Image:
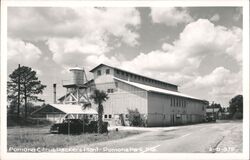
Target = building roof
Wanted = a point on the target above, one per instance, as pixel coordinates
(130, 72)
(76, 68)
(99, 66)
(210, 110)
(71, 109)
(158, 90)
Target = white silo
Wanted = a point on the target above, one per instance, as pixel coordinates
(77, 76)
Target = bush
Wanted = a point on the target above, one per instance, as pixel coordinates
(135, 118)
(237, 115)
(12, 120)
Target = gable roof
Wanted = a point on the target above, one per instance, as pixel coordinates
(99, 66)
(70, 109)
(157, 90)
(130, 73)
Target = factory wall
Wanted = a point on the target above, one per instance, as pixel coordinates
(126, 97)
(164, 111)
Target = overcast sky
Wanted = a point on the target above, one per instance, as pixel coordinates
(197, 48)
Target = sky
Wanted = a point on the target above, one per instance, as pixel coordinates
(197, 48)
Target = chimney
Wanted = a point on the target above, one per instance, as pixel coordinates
(54, 90)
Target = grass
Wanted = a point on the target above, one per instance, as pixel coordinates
(34, 137)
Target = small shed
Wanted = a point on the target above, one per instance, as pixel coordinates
(215, 112)
(58, 112)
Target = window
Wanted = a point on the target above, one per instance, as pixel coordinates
(171, 103)
(105, 116)
(110, 90)
(90, 116)
(126, 74)
(122, 73)
(117, 71)
(126, 115)
(110, 116)
(107, 71)
(99, 72)
(177, 103)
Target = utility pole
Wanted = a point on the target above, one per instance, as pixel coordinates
(54, 90)
(25, 100)
(213, 110)
(18, 98)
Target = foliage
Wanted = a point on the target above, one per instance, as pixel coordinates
(12, 107)
(99, 97)
(215, 105)
(236, 106)
(134, 118)
(12, 120)
(30, 86)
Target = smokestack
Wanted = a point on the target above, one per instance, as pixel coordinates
(54, 90)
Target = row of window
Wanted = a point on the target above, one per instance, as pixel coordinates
(108, 116)
(178, 102)
(144, 79)
(99, 72)
(107, 71)
(110, 90)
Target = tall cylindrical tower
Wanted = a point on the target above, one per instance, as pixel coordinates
(77, 76)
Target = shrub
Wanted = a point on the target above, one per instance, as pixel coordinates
(12, 120)
(135, 118)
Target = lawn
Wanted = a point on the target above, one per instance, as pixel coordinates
(34, 137)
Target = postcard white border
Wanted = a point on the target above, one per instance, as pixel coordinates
(170, 3)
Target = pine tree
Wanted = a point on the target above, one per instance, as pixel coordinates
(24, 84)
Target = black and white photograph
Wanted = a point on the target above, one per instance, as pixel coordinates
(145, 79)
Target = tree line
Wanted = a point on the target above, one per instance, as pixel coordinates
(235, 108)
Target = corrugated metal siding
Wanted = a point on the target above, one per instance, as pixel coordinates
(106, 86)
(119, 103)
(126, 97)
(158, 109)
(161, 113)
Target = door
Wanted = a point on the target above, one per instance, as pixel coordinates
(172, 119)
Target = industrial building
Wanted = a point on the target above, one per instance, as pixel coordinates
(159, 103)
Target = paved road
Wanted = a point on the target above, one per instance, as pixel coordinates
(183, 139)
